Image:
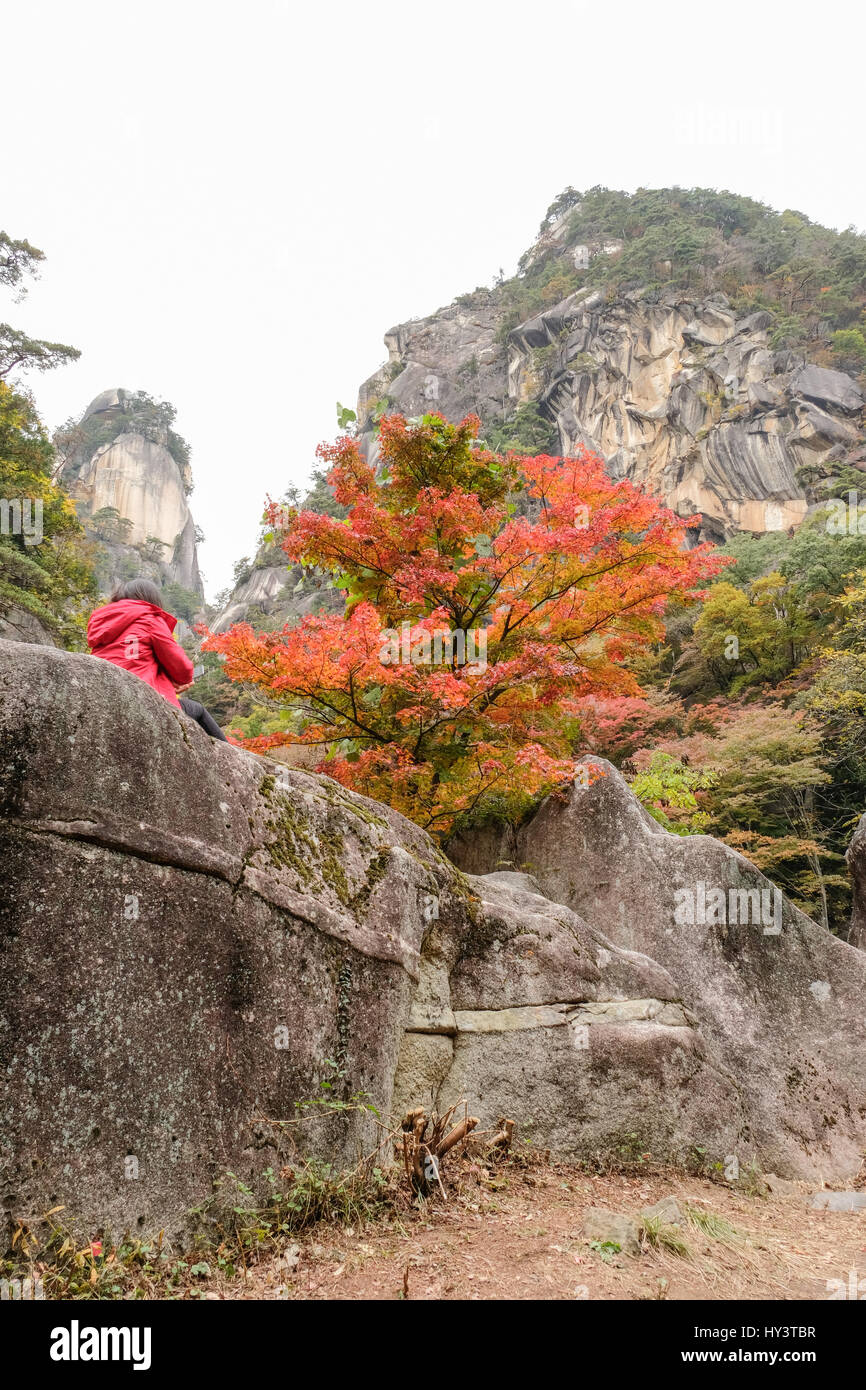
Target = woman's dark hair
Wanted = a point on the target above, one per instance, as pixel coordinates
(143, 589)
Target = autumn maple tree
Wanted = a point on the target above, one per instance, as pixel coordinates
(547, 575)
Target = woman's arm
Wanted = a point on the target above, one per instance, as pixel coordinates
(172, 658)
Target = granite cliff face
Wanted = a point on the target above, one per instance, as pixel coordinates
(674, 391)
(131, 494)
(274, 593)
(690, 337)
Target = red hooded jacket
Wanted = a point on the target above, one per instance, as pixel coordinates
(138, 636)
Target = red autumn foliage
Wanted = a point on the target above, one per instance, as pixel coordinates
(556, 571)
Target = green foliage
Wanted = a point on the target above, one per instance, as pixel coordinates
(153, 549)
(755, 636)
(18, 260)
(583, 362)
(345, 416)
(265, 719)
(545, 282)
(766, 764)
(837, 701)
(109, 525)
(527, 431)
(560, 205)
(849, 346)
(764, 798)
(327, 1099)
(183, 603)
(224, 700)
(785, 741)
(811, 278)
(136, 413)
(239, 1225)
(234, 1229)
(45, 565)
(776, 599)
(242, 570)
(19, 350)
(320, 497)
(605, 1248)
(667, 789)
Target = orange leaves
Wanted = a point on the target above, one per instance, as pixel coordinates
(329, 652)
(353, 477)
(486, 598)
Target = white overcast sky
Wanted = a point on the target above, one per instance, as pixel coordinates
(237, 200)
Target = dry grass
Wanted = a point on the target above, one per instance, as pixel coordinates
(514, 1232)
(510, 1228)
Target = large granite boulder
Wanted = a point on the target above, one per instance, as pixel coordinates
(780, 1001)
(833, 390)
(187, 934)
(855, 856)
(531, 1013)
(193, 938)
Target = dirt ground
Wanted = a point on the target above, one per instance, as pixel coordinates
(517, 1234)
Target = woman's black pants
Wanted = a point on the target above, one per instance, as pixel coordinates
(197, 711)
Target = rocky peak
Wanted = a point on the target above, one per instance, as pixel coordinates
(637, 327)
(710, 407)
(129, 475)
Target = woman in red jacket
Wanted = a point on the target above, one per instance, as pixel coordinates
(135, 632)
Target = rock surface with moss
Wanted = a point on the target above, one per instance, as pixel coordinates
(195, 939)
(780, 999)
